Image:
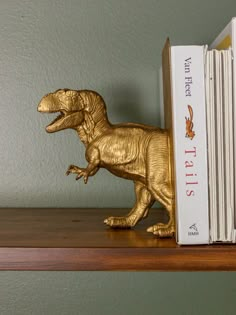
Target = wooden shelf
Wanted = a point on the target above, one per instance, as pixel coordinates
(77, 239)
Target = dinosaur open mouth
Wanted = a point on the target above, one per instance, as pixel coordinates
(62, 115)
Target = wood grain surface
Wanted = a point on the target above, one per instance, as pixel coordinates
(77, 239)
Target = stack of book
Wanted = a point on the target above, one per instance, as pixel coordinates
(200, 111)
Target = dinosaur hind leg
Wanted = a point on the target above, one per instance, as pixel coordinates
(144, 202)
(162, 195)
(159, 185)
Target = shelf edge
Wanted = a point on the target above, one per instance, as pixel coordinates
(115, 259)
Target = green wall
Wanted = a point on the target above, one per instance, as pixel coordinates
(113, 47)
(105, 293)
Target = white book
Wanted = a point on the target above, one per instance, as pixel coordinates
(226, 39)
(211, 143)
(190, 147)
(227, 103)
(219, 114)
(220, 144)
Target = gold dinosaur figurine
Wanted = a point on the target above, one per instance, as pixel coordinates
(132, 151)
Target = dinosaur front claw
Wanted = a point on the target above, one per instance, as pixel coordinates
(72, 169)
(82, 172)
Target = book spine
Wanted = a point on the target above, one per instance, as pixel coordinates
(190, 147)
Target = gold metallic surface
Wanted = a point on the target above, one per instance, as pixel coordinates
(132, 151)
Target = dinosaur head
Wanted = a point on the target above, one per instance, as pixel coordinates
(69, 106)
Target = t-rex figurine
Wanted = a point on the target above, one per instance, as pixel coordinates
(132, 151)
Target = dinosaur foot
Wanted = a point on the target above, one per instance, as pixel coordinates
(162, 230)
(120, 222)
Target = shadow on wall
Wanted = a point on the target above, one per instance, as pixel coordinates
(127, 104)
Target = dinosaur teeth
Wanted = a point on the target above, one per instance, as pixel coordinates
(57, 118)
